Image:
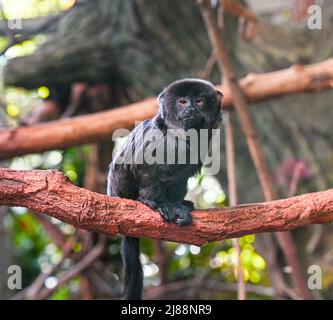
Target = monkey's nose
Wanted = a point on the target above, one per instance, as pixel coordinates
(189, 110)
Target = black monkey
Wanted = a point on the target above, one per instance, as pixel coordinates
(184, 104)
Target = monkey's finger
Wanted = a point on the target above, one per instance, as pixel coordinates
(166, 213)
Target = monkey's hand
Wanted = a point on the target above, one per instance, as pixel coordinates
(179, 212)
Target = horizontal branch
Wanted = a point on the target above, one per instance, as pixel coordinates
(99, 126)
(51, 193)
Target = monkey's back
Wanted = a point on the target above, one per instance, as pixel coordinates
(130, 171)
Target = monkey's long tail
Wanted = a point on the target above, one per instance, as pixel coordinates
(133, 281)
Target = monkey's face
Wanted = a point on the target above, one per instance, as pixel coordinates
(191, 103)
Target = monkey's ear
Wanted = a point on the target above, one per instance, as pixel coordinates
(220, 98)
(160, 117)
(160, 100)
(217, 115)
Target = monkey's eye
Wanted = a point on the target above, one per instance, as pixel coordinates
(200, 102)
(183, 102)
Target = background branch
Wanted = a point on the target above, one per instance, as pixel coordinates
(99, 126)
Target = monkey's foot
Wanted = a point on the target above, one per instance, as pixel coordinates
(180, 214)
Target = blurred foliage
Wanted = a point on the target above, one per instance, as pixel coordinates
(63, 293)
(34, 250)
(32, 8)
(30, 240)
(17, 102)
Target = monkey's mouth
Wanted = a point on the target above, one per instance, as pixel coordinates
(192, 121)
(188, 118)
(192, 118)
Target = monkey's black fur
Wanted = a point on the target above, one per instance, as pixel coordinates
(184, 104)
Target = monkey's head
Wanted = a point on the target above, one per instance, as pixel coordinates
(190, 103)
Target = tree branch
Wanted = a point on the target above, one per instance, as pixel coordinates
(51, 193)
(99, 126)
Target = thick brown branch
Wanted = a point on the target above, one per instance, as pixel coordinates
(51, 193)
(99, 126)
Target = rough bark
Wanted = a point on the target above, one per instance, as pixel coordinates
(51, 193)
(99, 126)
